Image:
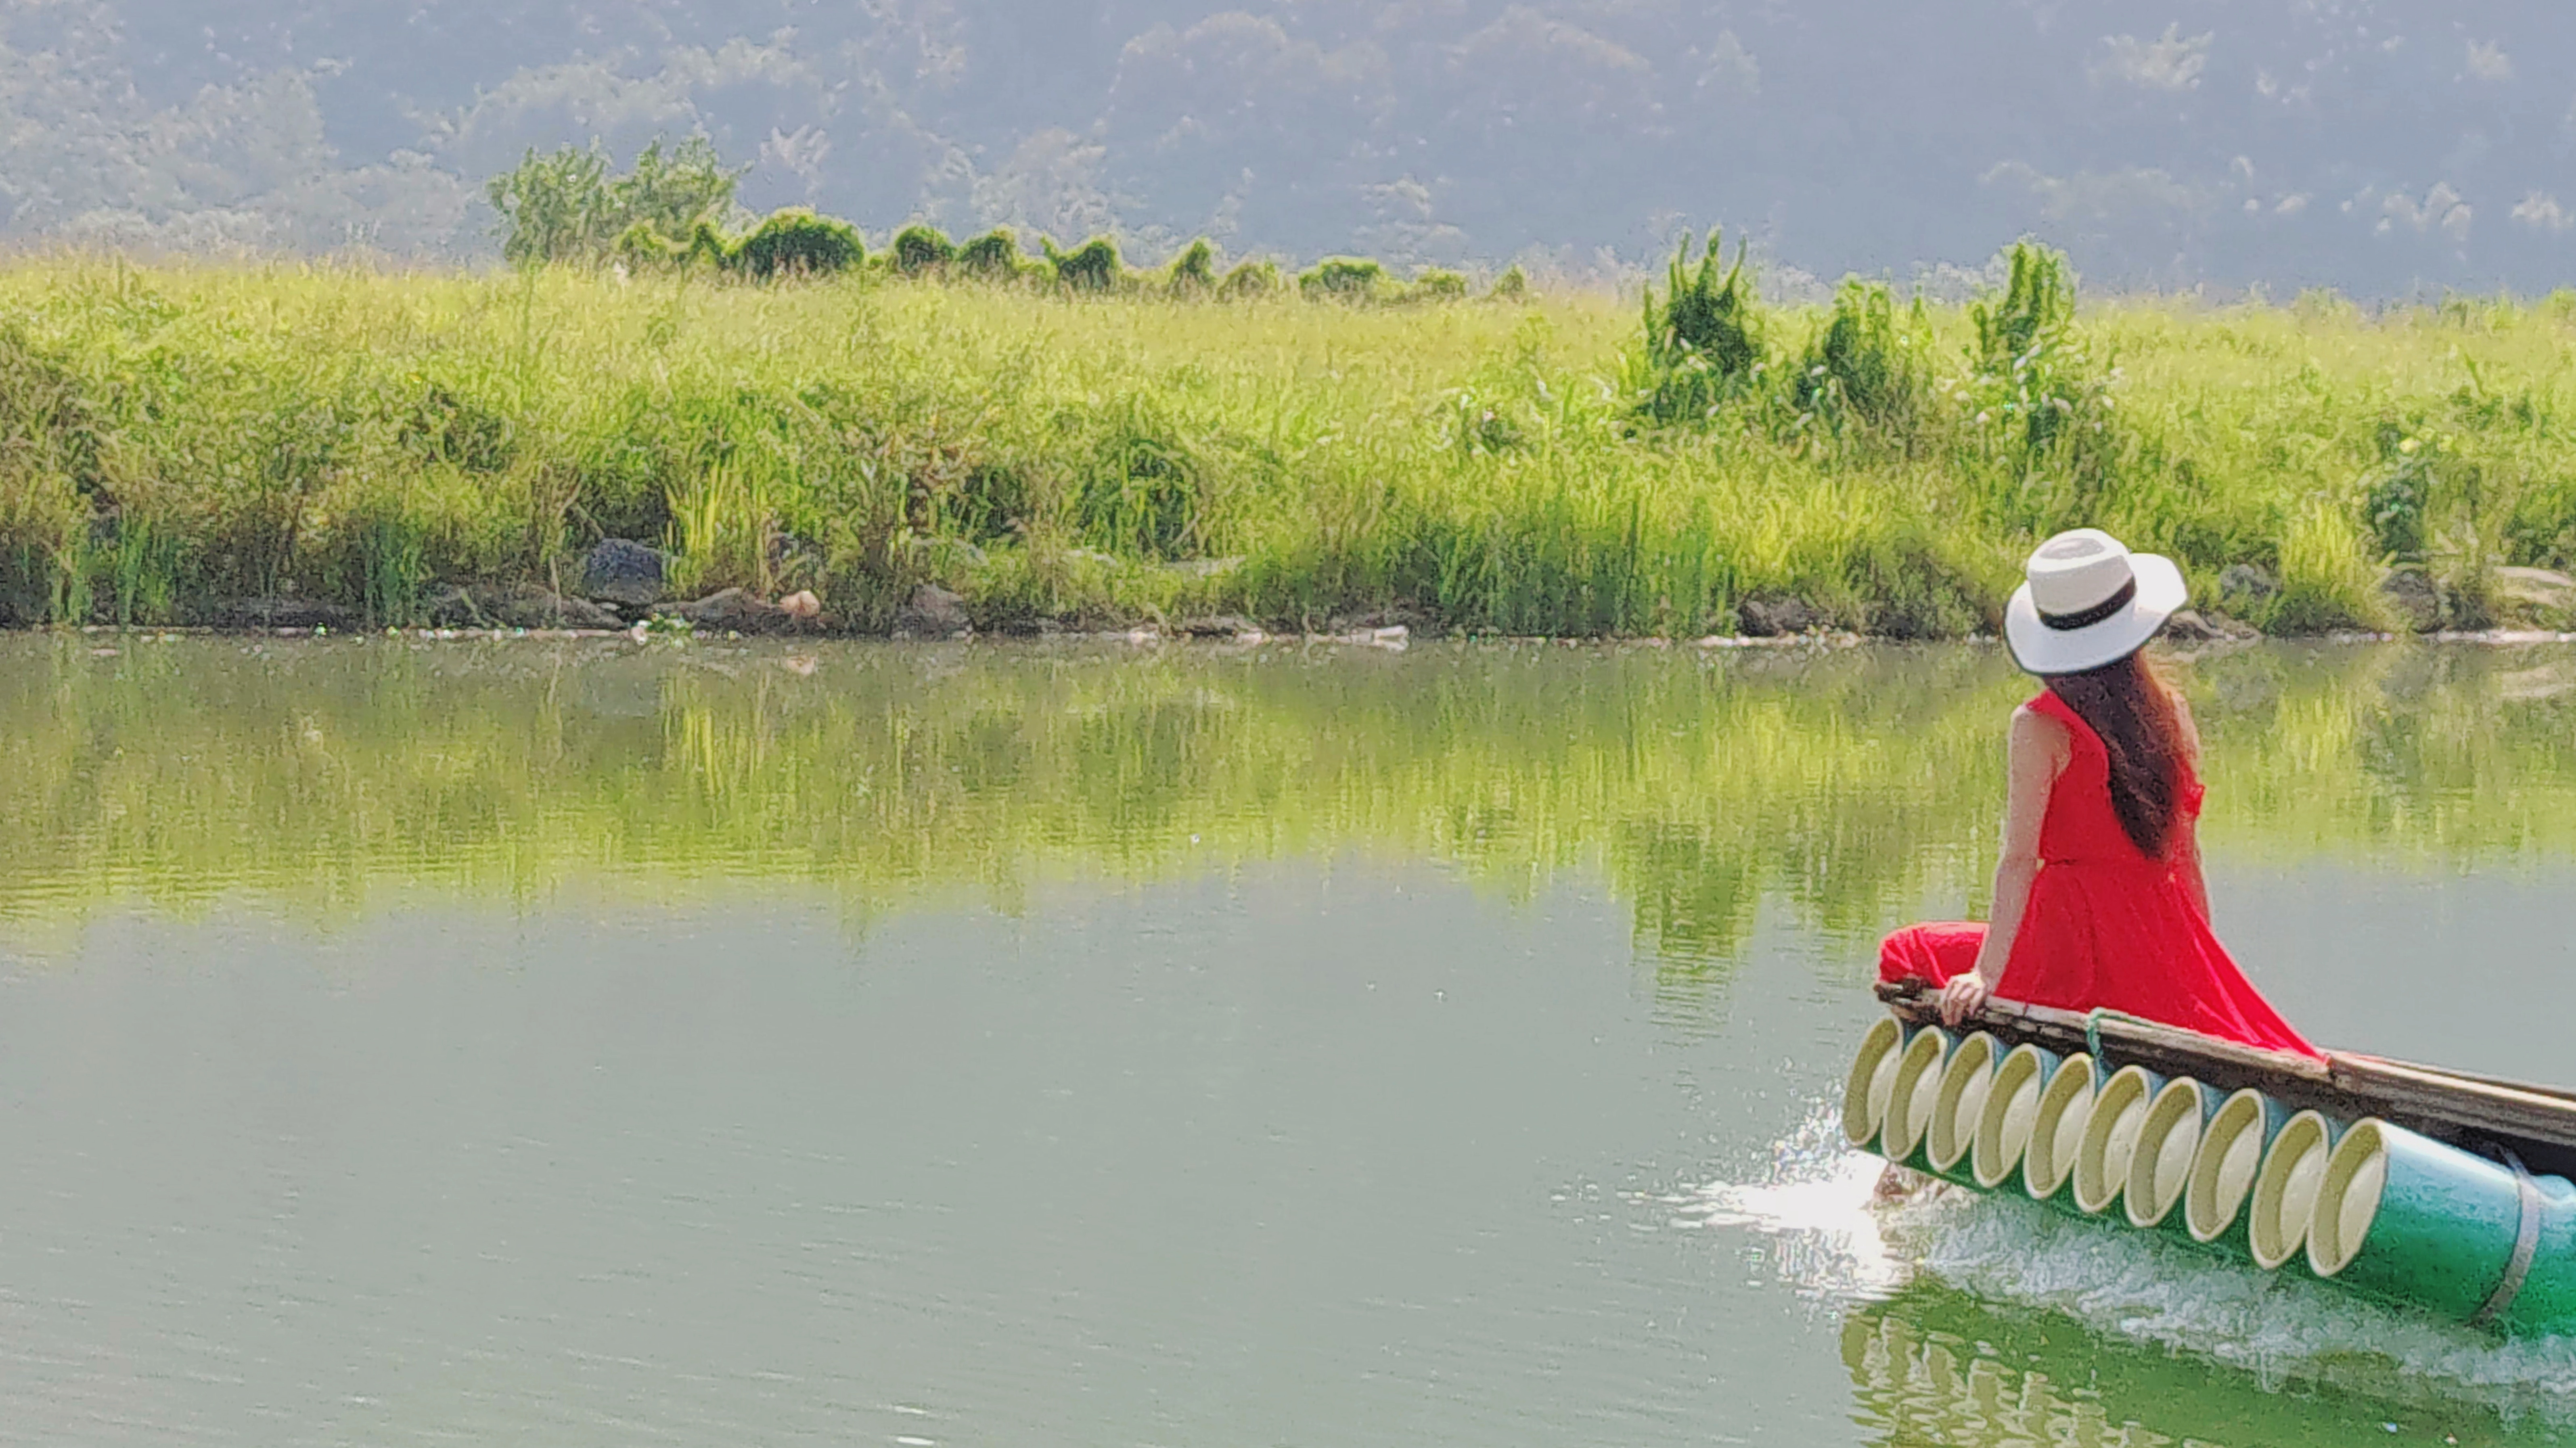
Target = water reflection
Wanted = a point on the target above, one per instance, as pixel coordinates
(661, 1060)
(331, 773)
(1936, 1366)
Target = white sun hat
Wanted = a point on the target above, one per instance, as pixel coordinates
(2089, 601)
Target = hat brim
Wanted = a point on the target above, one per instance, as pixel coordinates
(2043, 650)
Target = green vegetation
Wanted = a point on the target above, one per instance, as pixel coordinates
(1854, 788)
(991, 257)
(565, 207)
(1867, 368)
(1192, 272)
(922, 251)
(1064, 438)
(1250, 280)
(797, 243)
(665, 213)
(671, 213)
(1702, 347)
(1091, 267)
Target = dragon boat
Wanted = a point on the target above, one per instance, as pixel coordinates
(2423, 1187)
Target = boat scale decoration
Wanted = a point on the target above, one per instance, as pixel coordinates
(2422, 1187)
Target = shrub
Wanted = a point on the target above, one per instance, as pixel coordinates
(2035, 378)
(1090, 267)
(2397, 495)
(796, 242)
(566, 207)
(1342, 279)
(1512, 286)
(1703, 339)
(1863, 363)
(643, 248)
(1251, 279)
(1192, 273)
(922, 249)
(992, 257)
(1436, 284)
(2037, 306)
(708, 247)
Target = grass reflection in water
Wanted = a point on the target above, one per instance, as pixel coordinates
(1850, 785)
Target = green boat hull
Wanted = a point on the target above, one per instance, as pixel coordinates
(2387, 1212)
(2409, 1220)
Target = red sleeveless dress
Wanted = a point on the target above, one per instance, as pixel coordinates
(2107, 927)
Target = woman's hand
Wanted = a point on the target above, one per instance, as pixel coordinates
(1966, 991)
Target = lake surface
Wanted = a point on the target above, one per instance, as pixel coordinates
(409, 1042)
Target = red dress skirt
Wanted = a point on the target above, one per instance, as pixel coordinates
(2107, 926)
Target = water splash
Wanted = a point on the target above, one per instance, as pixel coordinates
(1816, 1203)
(2126, 1290)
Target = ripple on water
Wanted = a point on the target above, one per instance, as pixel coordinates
(2273, 1331)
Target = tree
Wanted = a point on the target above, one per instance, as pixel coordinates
(674, 192)
(567, 207)
(553, 208)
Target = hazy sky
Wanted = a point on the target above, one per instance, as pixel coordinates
(2383, 146)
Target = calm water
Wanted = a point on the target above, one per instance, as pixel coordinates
(408, 1043)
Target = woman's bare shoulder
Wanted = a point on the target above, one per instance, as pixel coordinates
(2037, 729)
(2037, 723)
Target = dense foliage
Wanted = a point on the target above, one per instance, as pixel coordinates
(671, 215)
(566, 207)
(1056, 450)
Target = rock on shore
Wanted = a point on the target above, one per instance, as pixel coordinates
(1768, 618)
(623, 572)
(932, 613)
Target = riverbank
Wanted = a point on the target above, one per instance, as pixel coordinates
(283, 446)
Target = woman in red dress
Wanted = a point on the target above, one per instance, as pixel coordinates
(2099, 901)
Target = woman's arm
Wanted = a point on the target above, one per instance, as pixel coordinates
(2035, 753)
(2186, 841)
(2186, 848)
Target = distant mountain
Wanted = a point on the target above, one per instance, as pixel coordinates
(2381, 146)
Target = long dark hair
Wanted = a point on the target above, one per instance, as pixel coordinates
(2133, 712)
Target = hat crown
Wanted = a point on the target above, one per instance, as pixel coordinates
(2078, 570)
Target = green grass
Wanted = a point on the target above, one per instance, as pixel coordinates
(171, 437)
